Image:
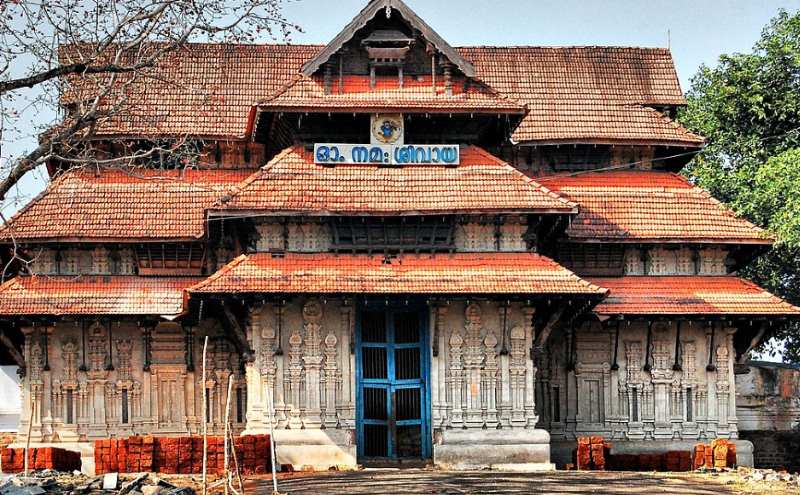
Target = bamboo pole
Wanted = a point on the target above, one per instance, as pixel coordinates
(205, 420)
(236, 464)
(270, 406)
(227, 431)
(28, 436)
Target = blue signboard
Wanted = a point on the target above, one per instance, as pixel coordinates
(386, 154)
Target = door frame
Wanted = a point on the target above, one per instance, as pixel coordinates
(425, 366)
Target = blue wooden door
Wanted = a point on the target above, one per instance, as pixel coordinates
(392, 395)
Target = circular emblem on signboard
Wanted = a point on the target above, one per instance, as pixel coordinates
(387, 129)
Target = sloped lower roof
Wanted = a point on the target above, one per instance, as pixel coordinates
(293, 183)
(126, 205)
(462, 273)
(689, 295)
(94, 295)
(641, 206)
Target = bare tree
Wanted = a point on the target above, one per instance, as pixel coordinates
(84, 61)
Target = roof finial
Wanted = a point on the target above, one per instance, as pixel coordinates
(388, 9)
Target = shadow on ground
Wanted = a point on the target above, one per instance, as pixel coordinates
(375, 482)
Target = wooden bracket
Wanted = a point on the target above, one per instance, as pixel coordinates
(544, 334)
(239, 335)
(12, 350)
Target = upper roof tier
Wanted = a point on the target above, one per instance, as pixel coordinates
(481, 183)
(649, 206)
(130, 205)
(571, 94)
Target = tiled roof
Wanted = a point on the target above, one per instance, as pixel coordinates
(586, 93)
(463, 273)
(640, 206)
(308, 94)
(689, 295)
(94, 295)
(573, 93)
(127, 205)
(205, 89)
(292, 182)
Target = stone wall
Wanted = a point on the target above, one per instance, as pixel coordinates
(93, 380)
(768, 406)
(317, 236)
(582, 389)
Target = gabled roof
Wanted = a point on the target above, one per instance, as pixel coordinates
(649, 206)
(307, 94)
(592, 94)
(125, 205)
(689, 295)
(462, 273)
(293, 183)
(376, 7)
(595, 94)
(94, 295)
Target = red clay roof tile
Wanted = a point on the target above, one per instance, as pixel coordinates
(94, 295)
(590, 94)
(308, 94)
(689, 295)
(638, 206)
(291, 182)
(126, 205)
(462, 273)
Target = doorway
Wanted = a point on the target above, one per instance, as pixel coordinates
(392, 394)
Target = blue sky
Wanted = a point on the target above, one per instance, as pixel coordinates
(699, 31)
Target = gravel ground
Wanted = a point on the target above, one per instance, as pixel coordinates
(428, 481)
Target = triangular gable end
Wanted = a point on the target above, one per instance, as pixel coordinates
(374, 8)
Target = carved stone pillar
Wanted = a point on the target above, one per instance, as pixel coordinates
(312, 362)
(456, 379)
(530, 379)
(332, 380)
(346, 410)
(489, 380)
(473, 362)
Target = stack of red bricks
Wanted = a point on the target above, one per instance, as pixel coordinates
(591, 453)
(594, 453)
(676, 460)
(40, 458)
(720, 454)
(180, 455)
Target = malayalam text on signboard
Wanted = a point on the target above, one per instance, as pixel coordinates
(386, 154)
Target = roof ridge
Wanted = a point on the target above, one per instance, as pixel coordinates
(219, 273)
(528, 179)
(727, 210)
(239, 187)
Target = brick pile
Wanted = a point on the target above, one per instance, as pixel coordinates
(720, 454)
(179, 455)
(594, 453)
(40, 458)
(591, 453)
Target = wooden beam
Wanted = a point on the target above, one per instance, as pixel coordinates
(15, 354)
(239, 336)
(544, 334)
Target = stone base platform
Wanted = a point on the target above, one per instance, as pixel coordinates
(503, 450)
(316, 450)
(562, 449)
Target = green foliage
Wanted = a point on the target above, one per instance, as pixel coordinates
(748, 107)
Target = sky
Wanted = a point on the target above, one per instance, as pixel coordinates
(697, 31)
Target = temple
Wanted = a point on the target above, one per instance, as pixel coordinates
(414, 251)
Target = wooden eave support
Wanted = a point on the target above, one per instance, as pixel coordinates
(12, 350)
(754, 342)
(239, 336)
(544, 334)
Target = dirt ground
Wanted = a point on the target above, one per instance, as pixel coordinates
(424, 481)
